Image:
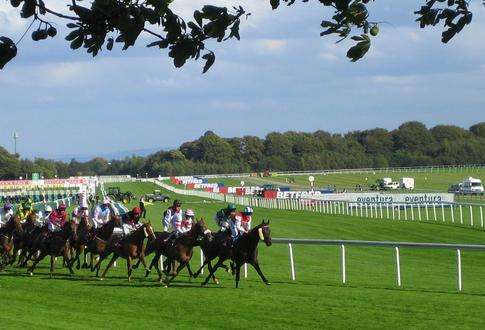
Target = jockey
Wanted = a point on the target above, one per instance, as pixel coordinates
(131, 221)
(185, 225)
(5, 214)
(171, 215)
(57, 218)
(101, 214)
(80, 210)
(246, 217)
(43, 217)
(25, 210)
(237, 229)
(223, 216)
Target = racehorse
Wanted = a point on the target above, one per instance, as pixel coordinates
(130, 247)
(220, 247)
(79, 246)
(245, 250)
(6, 242)
(101, 238)
(182, 249)
(56, 245)
(23, 240)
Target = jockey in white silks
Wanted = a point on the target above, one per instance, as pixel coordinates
(101, 214)
(172, 215)
(5, 214)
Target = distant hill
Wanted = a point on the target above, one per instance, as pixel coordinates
(109, 156)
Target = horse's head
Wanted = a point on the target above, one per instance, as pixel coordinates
(148, 230)
(32, 217)
(70, 229)
(201, 230)
(264, 232)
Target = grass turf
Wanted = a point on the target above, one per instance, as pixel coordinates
(370, 299)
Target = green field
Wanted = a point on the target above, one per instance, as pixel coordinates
(370, 299)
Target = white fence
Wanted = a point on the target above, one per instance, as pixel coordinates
(470, 215)
(430, 169)
(395, 245)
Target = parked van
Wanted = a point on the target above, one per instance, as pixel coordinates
(472, 186)
(407, 183)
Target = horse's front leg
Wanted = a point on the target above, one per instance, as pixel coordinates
(176, 272)
(111, 262)
(69, 261)
(36, 261)
(213, 271)
(128, 266)
(52, 266)
(255, 264)
(238, 274)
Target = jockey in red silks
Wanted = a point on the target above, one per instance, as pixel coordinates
(57, 218)
(241, 223)
(131, 221)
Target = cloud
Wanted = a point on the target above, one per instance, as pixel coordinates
(269, 46)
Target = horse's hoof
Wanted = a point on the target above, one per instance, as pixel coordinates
(148, 270)
(267, 283)
(31, 274)
(217, 282)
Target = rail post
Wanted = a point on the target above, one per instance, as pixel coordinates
(442, 212)
(412, 212)
(405, 211)
(427, 212)
(481, 216)
(292, 263)
(461, 214)
(434, 212)
(201, 261)
(344, 277)
(452, 213)
(398, 267)
(458, 269)
(471, 216)
(245, 270)
(419, 211)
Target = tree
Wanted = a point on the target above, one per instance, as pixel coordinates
(106, 22)
(412, 136)
(478, 129)
(449, 132)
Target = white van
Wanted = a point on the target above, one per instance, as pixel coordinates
(472, 186)
(407, 183)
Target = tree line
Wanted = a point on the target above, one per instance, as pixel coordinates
(411, 144)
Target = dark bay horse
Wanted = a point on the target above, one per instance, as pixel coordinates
(219, 247)
(56, 245)
(245, 250)
(6, 242)
(182, 251)
(83, 238)
(130, 247)
(23, 239)
(100, 241)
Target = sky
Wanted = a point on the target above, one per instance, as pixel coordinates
(280, 76)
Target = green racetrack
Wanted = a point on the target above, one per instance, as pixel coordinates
(370, 299)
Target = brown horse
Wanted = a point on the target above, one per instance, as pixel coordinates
(24, 238)
(245, 250)
(6, 242)
(130, 247)
(181, 251)
(79, 246)
(101, 239)
(56, 245)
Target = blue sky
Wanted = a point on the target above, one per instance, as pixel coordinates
(281, 76)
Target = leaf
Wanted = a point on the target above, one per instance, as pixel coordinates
(8, 51)
(78, 42)
(210, 59)
(358, 51)
(28, 9)
(109, 45)
(274, 3)
(73, 35)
